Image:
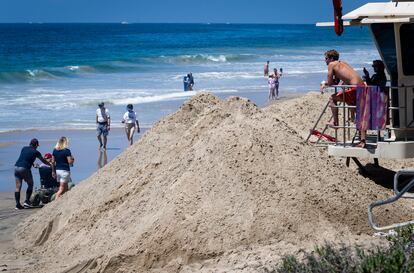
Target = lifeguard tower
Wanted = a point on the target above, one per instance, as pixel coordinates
(392, 27)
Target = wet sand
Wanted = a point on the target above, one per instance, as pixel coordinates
(9, 219)
(83, 144)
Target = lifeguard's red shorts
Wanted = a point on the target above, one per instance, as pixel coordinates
(350, 96)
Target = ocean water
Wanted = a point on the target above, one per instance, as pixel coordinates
(52, 76)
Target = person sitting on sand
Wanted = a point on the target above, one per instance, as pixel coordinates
(23, 171)
(47, 179)
(131, 122)
(340, 71)
(103, 121)
(63, 160)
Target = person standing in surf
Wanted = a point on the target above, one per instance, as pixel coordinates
(103, 121)
(277, 76)
(190, 81)
(272, 88)
(266, 69)
(186, 82)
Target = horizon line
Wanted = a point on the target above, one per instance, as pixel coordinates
(178, 23)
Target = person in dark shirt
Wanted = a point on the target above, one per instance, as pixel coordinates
(63, 160)
(46, 175)
(190, 81)
(378, 78)
(23, 171)
(186, 82)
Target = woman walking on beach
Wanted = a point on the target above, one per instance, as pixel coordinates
(63, 160)
(131, 122)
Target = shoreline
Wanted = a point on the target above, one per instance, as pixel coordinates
(82, 143)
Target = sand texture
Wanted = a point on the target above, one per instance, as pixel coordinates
(218, 186)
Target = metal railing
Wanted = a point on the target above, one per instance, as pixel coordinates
(346, 126)
(399, 194)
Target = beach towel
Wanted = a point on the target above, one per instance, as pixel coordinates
(371, 108)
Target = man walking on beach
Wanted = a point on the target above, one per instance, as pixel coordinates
(340, 71)
(23, 171)
(103, 121)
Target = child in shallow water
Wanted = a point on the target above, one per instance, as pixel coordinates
(272, 87)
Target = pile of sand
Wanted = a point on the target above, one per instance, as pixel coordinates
(218, 186)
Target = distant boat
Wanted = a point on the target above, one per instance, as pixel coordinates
(124, 23)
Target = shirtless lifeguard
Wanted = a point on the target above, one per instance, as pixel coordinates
(340, 71)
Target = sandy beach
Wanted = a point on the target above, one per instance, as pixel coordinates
(218, 186)
(83, 144)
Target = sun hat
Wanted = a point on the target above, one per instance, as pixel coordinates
(48, 155)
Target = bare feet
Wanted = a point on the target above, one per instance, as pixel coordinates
(332, 124)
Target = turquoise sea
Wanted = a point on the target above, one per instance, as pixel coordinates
(52, 76)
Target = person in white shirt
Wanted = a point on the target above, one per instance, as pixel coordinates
(103, 121)
(131, 123)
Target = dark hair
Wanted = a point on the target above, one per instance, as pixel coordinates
(34, 142)
(379, 63)
(332, 54)
(130, 107)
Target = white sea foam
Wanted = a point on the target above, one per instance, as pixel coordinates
(73, 67)
(223, 75)
(154, 98)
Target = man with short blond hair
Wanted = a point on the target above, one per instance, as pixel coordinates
(340, 71)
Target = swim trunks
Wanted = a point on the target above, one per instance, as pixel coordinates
(350, 96)
(102, 129)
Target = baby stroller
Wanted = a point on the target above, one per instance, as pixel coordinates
(48, 187)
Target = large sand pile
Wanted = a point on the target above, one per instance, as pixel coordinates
(218, 186)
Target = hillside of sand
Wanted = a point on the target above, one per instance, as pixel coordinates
(218, 186)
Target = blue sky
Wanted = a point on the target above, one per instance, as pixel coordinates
(172, 11)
